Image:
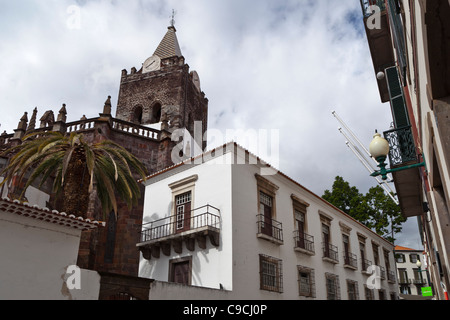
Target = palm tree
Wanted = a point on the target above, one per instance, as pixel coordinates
(76, 166)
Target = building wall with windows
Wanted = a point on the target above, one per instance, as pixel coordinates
(275, 239)
(410, 278)
(410, 51)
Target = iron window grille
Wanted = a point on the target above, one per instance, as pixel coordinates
(306, 282)
(332, 286)
(270, 272)
(352, 290)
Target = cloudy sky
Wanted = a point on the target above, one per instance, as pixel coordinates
(267, 65)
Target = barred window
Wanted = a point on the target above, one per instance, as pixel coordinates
(352, 290)
(368, 293)
(271, 276)
(306, 282)
(332, 284)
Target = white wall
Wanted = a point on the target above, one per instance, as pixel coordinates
(235, 263)
(35, 256)
(247, 247)
(212, 266)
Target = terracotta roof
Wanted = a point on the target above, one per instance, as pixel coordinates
(169, 47)
(47, 215)
(400, 248)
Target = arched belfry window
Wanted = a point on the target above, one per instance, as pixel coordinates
(156, 113)
(137, 116)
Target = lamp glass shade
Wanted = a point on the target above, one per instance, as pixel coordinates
(379, 146)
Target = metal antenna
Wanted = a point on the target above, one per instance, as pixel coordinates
(383, 184)
(362, 157)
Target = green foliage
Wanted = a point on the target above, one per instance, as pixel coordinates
(375, 209)
(70, 160)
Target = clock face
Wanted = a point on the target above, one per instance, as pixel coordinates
(151, 64)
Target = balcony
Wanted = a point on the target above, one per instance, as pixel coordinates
(350, 260)
(269, 229)
(365, 264)
(402, 153)
(418, 281)
(330, 253)
(391, 276)
(380, 41)
(304, 242)
(172, 231)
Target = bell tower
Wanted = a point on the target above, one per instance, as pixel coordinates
(163, 88)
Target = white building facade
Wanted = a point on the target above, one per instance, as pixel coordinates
(221, 222)
(412, 275)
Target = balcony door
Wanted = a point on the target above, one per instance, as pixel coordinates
(183, 212)
(300, 219)
(265, 210)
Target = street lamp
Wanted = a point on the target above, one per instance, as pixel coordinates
(379, 149)
(419, 265)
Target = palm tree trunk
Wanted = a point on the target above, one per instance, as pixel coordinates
(75, 193)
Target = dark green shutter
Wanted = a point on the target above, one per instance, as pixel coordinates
(398, 105)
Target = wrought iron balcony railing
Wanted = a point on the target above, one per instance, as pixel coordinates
(330, 252)
(198, 219)
(365, 264)
(391, 276)
(365, 4)
(350, 260)
(269, 229)
(402, 148)
(304, 242)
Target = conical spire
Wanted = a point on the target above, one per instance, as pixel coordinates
(169, 47)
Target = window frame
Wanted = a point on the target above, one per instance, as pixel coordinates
(265, 276)
(174, 262)
(333, 293)
(311, 282)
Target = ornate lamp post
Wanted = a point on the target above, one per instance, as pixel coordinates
(379, 149)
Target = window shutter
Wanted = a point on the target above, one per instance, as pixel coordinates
(398, 105)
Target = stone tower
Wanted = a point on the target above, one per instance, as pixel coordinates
(163, 90)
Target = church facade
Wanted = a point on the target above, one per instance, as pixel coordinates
(153, 102)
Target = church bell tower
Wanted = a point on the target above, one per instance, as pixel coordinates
(163, 89)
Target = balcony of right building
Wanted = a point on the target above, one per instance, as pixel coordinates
(402, 150)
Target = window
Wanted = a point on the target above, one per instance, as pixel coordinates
(386, 260)
(376, 257)
(183, 211)
(346, 244)
(381, 294)
(352, 290)
(326, 239)
(303, 241)
(306, 283)
(403, 276)
(368, 293)
(183, 198)
(137, 116)
(400, 258)
(413, 257)
(332, 286)
(180, 270)
(268, 227)
(265, 212)
(156, 113)
(270, 271)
